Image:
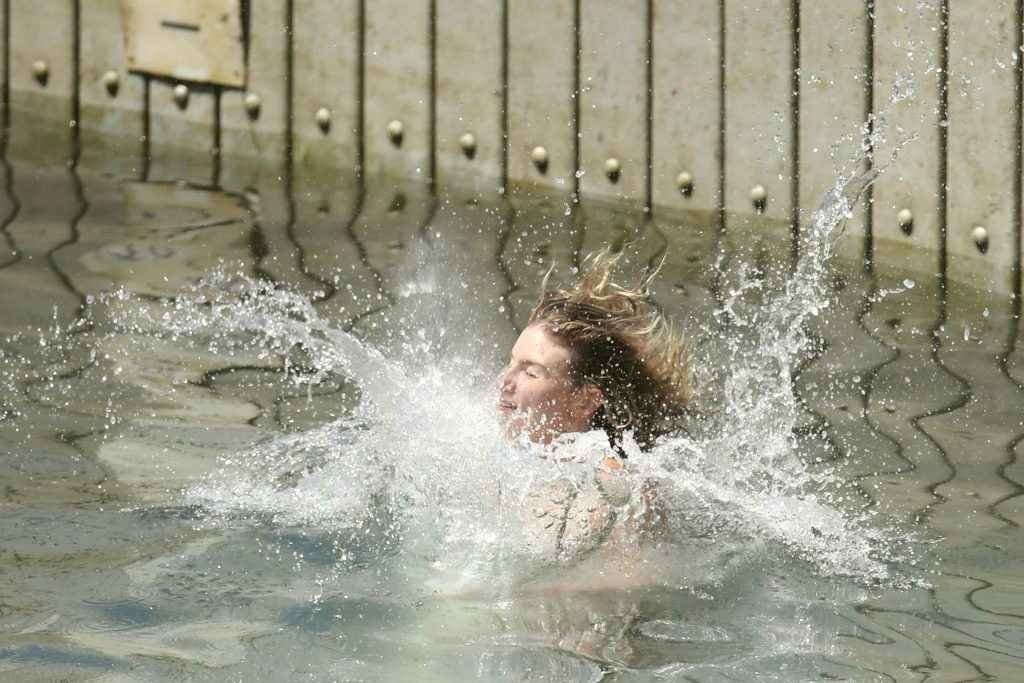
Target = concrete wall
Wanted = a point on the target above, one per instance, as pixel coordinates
(735, 115)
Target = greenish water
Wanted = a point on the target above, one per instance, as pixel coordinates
(130, 550)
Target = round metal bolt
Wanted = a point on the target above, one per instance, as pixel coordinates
(980, 237)
(468, 144)
(323, 118)
(111, 81)
(684, 182)
(905, 219)
(395, 131)
(539, 156)
(612, 169)
(41, 71)
(253, 102)
(181, 95)
(759, 197)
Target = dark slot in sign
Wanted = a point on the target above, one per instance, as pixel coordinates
(179, 25)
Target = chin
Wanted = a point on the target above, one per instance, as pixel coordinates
(517, 427)
(539, 430)
(514, 424)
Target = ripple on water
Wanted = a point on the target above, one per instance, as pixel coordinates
(681, 632)
(209, 643)
(536, 664)
(121, 615)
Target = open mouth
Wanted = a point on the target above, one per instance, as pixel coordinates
(506, 406)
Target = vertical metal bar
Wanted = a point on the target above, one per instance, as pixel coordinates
(76, 71)
(869, 109)
(1018, 182)
(217, 133)
(943, 212)
(245, 12)
(289, 108)
(716, 280)
(504, 100)
(794, 143)
(721, 114)
(288, 170)
(649, 103)
(577, 146)
(146, 154)
(12, 254)
(577, 55)
(361, 94)
(432, 120)
(5, 93)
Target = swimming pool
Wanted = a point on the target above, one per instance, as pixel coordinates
(300, 482)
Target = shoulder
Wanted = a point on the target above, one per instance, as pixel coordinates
(613, 480)
(621, 488)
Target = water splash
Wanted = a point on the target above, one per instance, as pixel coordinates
(744, 468)
(420, 468)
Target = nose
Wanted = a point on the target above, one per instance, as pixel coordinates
(505, 381)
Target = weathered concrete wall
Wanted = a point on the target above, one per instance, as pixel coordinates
(112, 101)
(542, 107)
(469, 141)
(907, 214)
(731, 116)
(41, 79)
(686, 171)
(983, 160)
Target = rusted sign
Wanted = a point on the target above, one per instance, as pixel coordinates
(192, 40)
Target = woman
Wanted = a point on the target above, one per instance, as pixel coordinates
(597, 355)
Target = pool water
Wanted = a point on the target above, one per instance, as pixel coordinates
(247, 436)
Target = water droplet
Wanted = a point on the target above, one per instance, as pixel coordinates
(908, 283)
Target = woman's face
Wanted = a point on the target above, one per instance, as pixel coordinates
(537, 395)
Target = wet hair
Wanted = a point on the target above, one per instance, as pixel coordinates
(621, 342)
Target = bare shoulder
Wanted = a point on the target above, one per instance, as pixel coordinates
(642, 498)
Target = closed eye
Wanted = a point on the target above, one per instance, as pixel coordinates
(537, 370)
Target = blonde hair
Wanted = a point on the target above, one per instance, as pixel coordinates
(621, 342)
